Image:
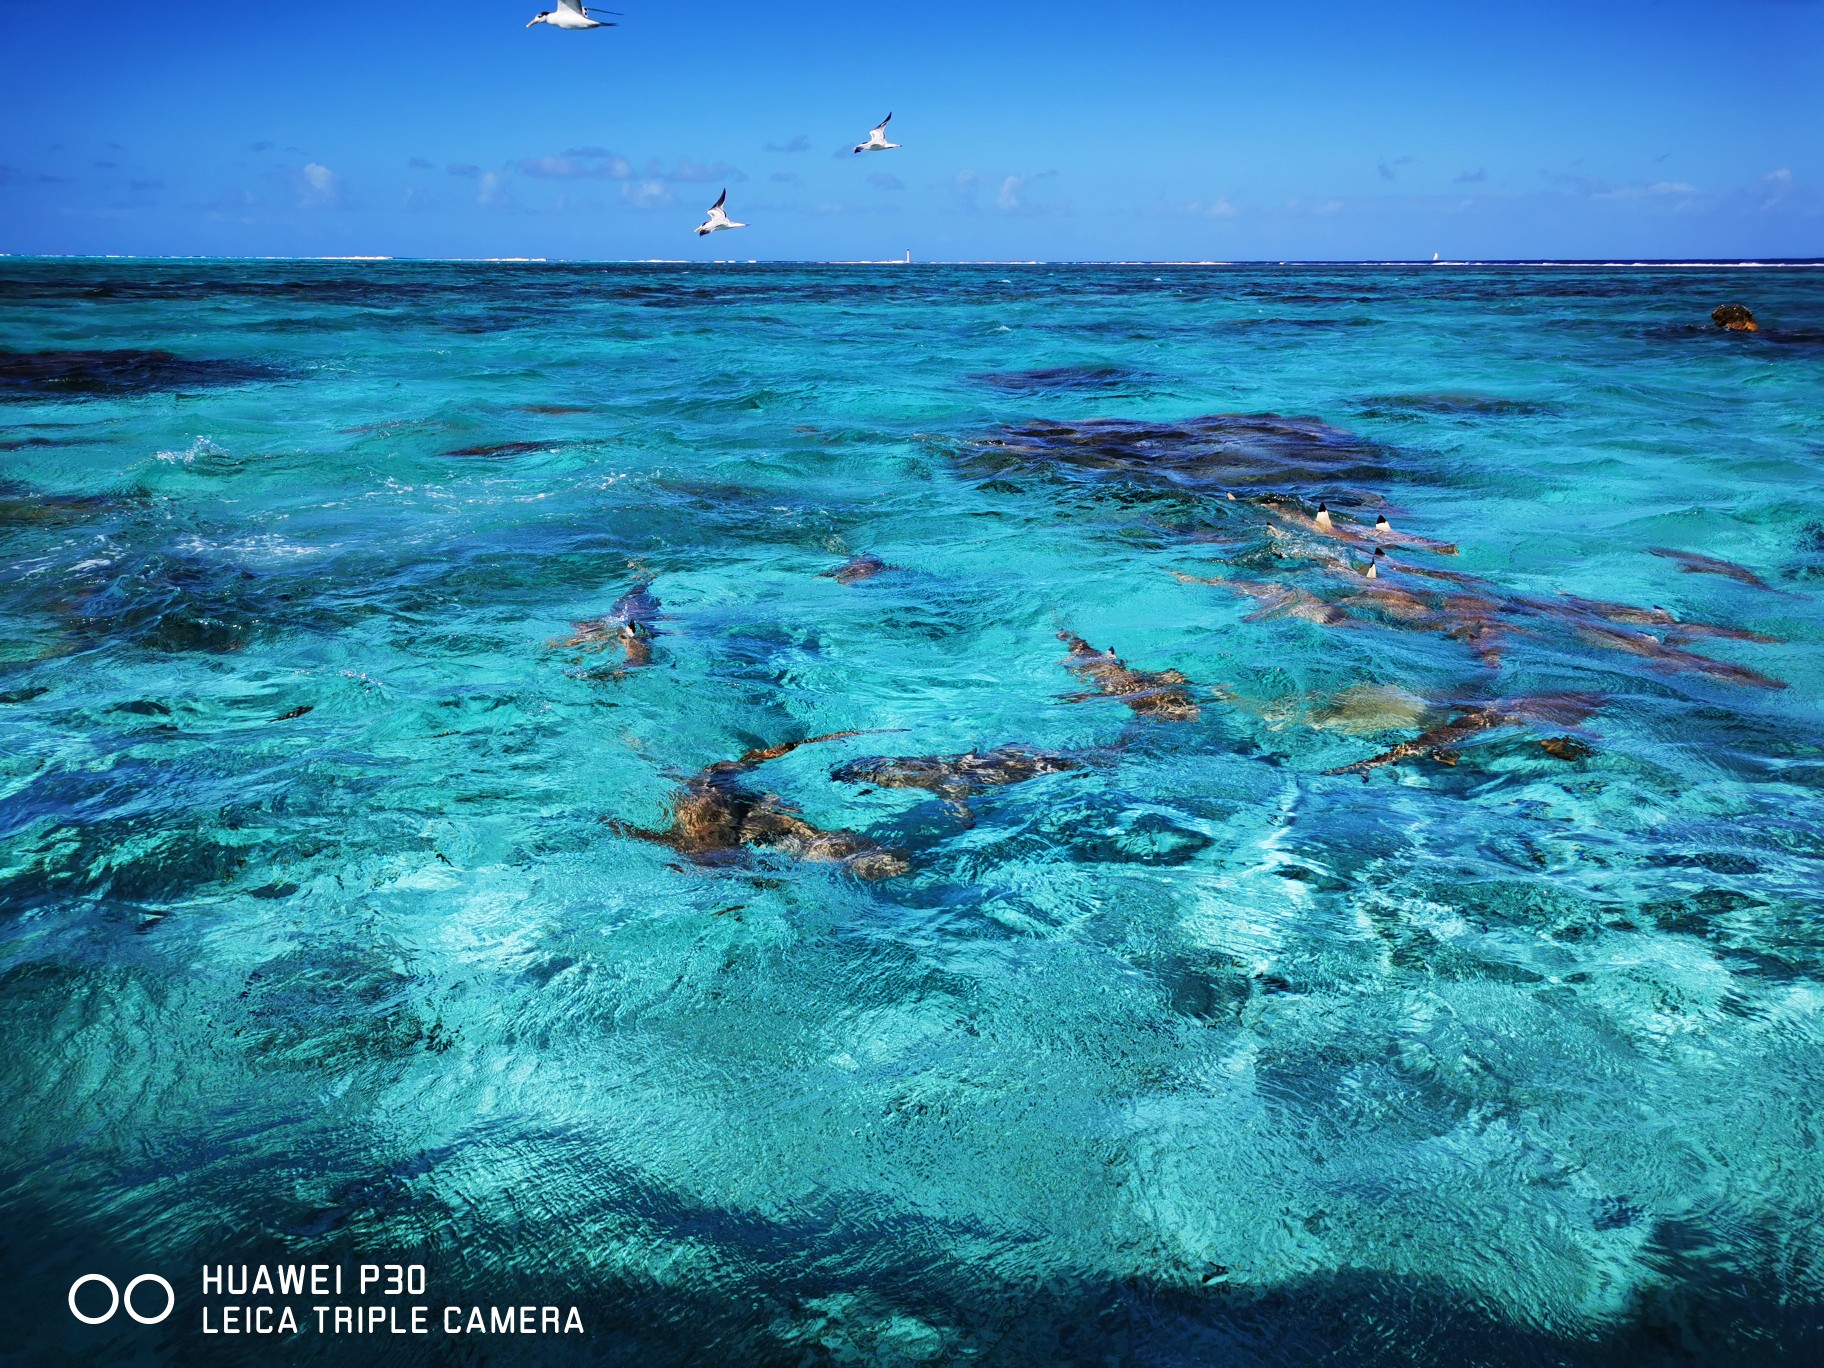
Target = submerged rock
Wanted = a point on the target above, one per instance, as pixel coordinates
(24, 507)
(1449, 405)
(1734, 317)
(1147, 839)
(498, 449)
(87, 374)
(1364, 709)
(172, 603)
(1209, 455)
(1059, 379)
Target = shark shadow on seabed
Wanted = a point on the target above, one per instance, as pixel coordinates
(21, 506)
(1104, 379)
(167, 602)
(156, 831)
(1409, 407)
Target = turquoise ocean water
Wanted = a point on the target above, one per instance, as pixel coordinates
(323, 932)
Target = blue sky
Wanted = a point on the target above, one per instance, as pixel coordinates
(1064, 130)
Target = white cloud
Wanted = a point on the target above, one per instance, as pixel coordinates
(1011, 193)
(1578, 183)
(322, 188)
(491, 190)
(695, 173)
(607, 167)
(1641, 190)
(1774, 186)
(598, 163)
(646, 194)
(965, 187)
(1216, 208)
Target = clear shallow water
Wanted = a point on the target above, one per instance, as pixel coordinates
(1189, 1053)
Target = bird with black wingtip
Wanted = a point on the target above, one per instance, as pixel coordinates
(572, 14)
(877, 138)
(718, 218)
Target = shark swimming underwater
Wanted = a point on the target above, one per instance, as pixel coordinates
(627, 623)
(956, 776)
(1151, 693)
(715, 816)
(1472, 719)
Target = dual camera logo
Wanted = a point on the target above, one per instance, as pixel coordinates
(118, 1299)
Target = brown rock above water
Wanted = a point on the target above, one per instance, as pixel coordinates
(1734, 317)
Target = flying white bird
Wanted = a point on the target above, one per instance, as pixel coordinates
(877, 140)
(718, 218)
(570, 14)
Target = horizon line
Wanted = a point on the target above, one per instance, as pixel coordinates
(354, 258)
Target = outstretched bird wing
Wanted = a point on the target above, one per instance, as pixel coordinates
(720, 201)
(883, 124)
(575, 7)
